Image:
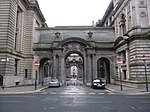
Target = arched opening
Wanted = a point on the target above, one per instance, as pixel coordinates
(74, 71)
(74, 68)
(45, 70)
(74, 52)
(103, 69)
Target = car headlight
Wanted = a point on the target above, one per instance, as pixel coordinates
(103, 84)
(94, 84)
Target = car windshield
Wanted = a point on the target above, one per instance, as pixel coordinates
(54, 80)
(97, 80)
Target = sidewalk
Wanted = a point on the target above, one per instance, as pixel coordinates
(22, 89)
(127, 90)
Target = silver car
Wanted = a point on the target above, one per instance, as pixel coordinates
(54, 83)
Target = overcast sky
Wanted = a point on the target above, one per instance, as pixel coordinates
(72, 12)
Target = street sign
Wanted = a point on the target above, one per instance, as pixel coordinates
(143, 57)
(36, 65)
(119, 61)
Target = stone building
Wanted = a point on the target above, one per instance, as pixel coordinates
(122, 35)
(18, 19)
(131, 20)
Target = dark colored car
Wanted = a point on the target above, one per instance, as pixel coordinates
(98, 83)
(54, 83)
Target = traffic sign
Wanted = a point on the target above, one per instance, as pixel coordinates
(36, 65)
(144, 57)
(119, 61)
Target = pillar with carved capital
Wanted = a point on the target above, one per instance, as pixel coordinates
(85, 70)
(88, 66)
(91, 63)
(128, 64)
(94, 66)
(63, 77)
(54, 66)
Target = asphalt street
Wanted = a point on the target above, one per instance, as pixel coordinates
(74, 99)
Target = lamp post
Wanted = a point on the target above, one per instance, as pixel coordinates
(145, 64)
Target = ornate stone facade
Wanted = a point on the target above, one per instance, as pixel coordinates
(123, 32)
(131, 20)
(91, 43)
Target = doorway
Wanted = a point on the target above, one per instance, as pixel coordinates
(103, 69)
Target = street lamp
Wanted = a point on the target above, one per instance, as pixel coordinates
(145, 64)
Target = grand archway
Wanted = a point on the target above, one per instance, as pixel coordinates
(73, 58)
(58, 45)
(74, 55)
(74, 69)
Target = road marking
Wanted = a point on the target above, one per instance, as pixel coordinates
(107, 90)
(18, 96)
(110, 93)
(44, 93)
(99, 97)
(81, 93)
(97, 102)
(92, 93)
(101, 93)
(11, 101)
(78, 93)
(137, 97)
(53, 92)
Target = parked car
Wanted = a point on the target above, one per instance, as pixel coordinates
(98, 83)
(54, 83)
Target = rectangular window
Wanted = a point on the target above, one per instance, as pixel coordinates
(26, 73)
(16, 67)
(17, 39)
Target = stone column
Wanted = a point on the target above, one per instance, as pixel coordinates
(88, 68)
(54, 66)
(63, 77)
(94, 66)
(92, 69)
(128, 64)
(85, 70)
(57, 66)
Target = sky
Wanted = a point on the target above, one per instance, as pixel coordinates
(73, 12)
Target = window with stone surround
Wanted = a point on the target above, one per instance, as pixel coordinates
(129, 22)
(142, 3)
(18, 37)
(16, 67)
(26, 73)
